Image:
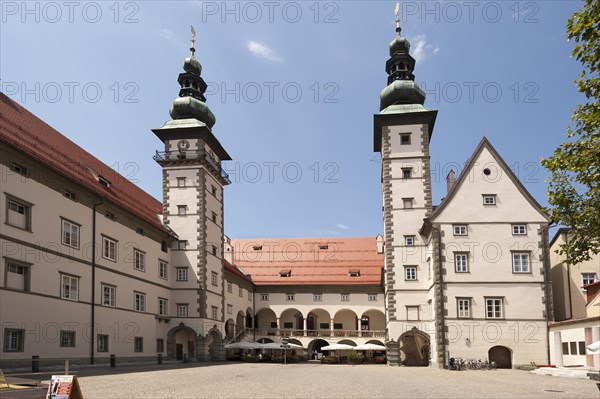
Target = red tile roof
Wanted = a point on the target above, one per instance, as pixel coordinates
(22, 130)
(236, 271)
(314, 261)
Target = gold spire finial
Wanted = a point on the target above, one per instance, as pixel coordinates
(397, 11)
(192, 47)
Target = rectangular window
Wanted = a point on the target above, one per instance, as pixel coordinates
(521, 262)
(67, 339)
(489, 199)
(17, 276)
(70, 195)
(164, 246)
(290, 297)
(493, 308)
(241, 292)
(407, 203)
(14, 340)
(70, 234)
(405, 139)
(213, 278)
(163, 307)
(109, 249)
(345, 297)
(372, 297)
(464, 307)
(102, 343)
(229, 309)
(213, 190)
(573, 347)
(160, 345)
(460, 229)
(213, 311)
(109, 294)
(163, 268)
(229, 287)
(249, 295)
(214, 250)
(588, 278)
(181, 182)
(410, 273)
(213, 217)
(519, 229)
(317, 297)
(581, 347)
(138, 344)
(18, 213)
(180, 245)
(69, 287)
(406, 173)
(409, 241)
(139, 260)
(461, 262)
(182, 274)
(20, 169)
(565, 348)
(264, 297)
(181, 210)
(139, 302)
(288, 324)
(182, 310)
(412, 313)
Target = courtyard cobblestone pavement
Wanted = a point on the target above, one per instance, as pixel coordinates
(258, 380)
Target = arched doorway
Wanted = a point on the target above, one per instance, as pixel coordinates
(314, 348)
(265, 321)
(239, 322)
(318, 323)
(414, 348)
(181, 340)
(216, 350)
(502, 356)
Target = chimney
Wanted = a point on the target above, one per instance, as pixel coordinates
(450, 180)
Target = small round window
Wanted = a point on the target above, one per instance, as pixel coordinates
(486, 172)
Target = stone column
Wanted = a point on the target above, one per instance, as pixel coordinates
(558, 356)
(305, 324)
(331, 327)
(359, 327)
(278, 324)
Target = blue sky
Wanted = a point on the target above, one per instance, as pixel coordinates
(294, 86)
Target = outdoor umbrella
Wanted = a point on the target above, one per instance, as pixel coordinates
(370, 347)
(594, 349)
(243, 345)
(337, 347)
(275, 345)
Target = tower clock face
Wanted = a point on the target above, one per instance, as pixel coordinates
(183, 145)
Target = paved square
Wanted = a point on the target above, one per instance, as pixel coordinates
(256, 380)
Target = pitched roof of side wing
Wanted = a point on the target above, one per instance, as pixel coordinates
(27, 133)
(310, 261)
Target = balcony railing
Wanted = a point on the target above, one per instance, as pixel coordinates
(292, 332)
(201, 155)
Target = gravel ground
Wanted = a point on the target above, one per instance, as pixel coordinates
(256, 380)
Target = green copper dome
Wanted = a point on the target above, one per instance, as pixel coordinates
(190, 107)
(401, 92)
(191, 65)
(400, 45)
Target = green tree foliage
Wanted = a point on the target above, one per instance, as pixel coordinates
(574, 187)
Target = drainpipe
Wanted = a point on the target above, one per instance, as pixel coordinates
(547, 282)
(569, 281)
(442, 308)
(93, 301)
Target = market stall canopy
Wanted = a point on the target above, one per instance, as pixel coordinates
(370, 347)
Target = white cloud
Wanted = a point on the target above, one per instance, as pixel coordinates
(422, 49)
(260, 50)
(167, 34)
(342, 226)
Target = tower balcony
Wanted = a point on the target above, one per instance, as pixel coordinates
(192, 157)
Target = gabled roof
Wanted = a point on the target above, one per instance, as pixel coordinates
(236, 271)
(27, 133)
(485, 144)
(311, 261)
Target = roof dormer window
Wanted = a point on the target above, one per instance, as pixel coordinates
(257, 247)
(285, 273)
(103, 182)
(354, 273)
(324, 247)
